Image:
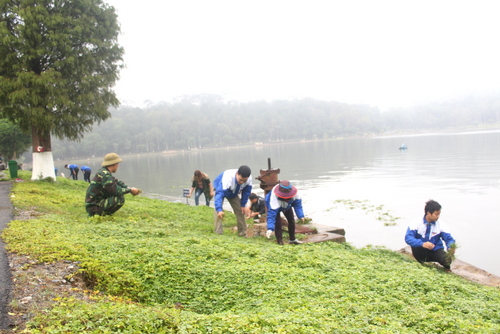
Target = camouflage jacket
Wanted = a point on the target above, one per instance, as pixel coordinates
(104, 185)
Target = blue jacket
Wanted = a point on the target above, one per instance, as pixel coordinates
(71, 167)
(225, 186)
(275, 206)
(85, 169)
(416, 234)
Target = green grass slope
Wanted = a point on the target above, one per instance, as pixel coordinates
(163, 270)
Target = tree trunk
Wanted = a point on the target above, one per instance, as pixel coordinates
(43, 161)
(41, 141)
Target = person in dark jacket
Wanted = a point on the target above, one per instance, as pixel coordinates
(426, 236)
(105, 194)
(86, 173)
(73, 169)
(201, 185)
(282, 198)
(257, 206)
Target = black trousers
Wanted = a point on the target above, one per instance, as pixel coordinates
(86, 176)
(74, 173)
(278, 229)
(422, 255)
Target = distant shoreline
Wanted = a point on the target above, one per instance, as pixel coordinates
(488, 128)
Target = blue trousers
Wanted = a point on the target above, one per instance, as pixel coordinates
(197, 194)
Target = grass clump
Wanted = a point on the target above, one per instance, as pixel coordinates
(161, 269)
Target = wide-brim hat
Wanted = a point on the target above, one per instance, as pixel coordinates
(111, 159)
(285, 189)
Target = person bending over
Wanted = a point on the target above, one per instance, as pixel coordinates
(201, 185)
(282, 198)
(230, 184)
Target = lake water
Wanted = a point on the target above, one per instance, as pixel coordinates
(365, 185)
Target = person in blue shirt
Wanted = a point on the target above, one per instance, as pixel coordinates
(73, 169)
(426, 236)
(282, 198)
(86, 173)
(235, 185)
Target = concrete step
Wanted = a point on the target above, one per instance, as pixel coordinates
(334, 234)
(329, 229)
(326, 236)
(467, 271)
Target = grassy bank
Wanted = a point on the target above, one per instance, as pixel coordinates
(159, 268)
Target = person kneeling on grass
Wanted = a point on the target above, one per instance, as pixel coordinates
(426, 236)
(105, 194)
(283, 197)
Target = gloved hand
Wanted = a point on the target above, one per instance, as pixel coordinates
(268, 233)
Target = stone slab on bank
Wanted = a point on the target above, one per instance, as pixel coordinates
(314, 234)
(467, 271)
(322, 237)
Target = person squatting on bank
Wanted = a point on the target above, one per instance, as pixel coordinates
(426, 236)
(106, 194)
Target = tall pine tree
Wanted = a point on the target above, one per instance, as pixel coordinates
(59, 60)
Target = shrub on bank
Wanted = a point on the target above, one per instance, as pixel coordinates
(174, 275)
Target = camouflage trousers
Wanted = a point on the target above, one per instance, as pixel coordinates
(107, 206)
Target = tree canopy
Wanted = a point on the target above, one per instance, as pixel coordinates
(58, 62)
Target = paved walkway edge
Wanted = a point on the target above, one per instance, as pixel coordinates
(5, 275)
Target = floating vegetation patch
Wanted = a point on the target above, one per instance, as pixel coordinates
(378, 211)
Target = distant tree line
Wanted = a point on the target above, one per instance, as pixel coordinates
(207, 121)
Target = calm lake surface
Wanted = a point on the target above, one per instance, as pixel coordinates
(365, 185)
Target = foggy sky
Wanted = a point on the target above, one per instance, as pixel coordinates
(381, 53)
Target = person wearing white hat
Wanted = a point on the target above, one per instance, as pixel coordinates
(105, 194)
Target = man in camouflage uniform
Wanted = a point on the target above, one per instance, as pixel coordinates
(105, 194)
